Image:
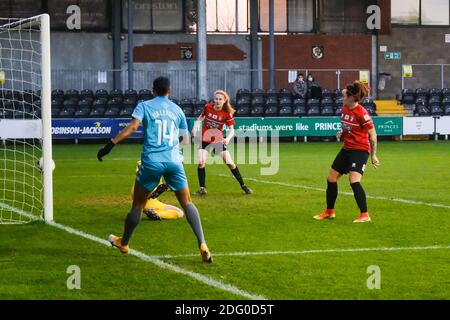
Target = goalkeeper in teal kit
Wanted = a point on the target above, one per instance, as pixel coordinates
(163, 123)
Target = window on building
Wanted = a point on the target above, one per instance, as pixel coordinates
(154, 15)
(300, 15)
(228, 16)
(435, 12)
(344, 16)
(420, 12)
(280, 22)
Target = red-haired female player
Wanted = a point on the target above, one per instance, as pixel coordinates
(214, 117)
(360, 140)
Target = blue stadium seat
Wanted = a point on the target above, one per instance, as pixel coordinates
(58, 95)
(101, 94)
(285, 93)
(241, 93)
(84, 107)
(285, 111)
(271, 106)
(98, 108)
(445, 93)
(434, 105)
(186, 106)
(126, 112)
(67, 113)
(130, 94)
(72, 94)
(328, 94)
(286, 101)
(421, 108)
(256, 101)
(299, 111)
(408, 96)
(271, 93)
(113, 107)
(327, 110)
(435, 92)
(70, 105)
(145, 94)
(446, 108)
(370, 106)
(116, 94)
(87, 94)
(421, 93)
(337, 94)
(257, 110)
(313, 107)
(243, 106)
(199, 106)
(257, 93)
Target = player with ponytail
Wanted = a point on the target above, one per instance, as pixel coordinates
(360, 141)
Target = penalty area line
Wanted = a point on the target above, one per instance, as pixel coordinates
(290, 185)
(156, 261)
(266, 253)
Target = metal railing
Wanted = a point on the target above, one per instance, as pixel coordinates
(184, 82)
(426, 76)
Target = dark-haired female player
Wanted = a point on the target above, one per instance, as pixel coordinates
(214, 117)
(360, 140)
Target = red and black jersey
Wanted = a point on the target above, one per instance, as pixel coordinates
(213, 123)
(355, 125)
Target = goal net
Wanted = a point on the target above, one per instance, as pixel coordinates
(25, 120)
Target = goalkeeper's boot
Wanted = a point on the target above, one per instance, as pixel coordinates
(151, 214)
(326, 214)
(206, 254)
(117, 242)
(364, 217)
(246, 189)
(201, 192)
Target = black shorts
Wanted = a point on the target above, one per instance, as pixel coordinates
(217, 147)
(350, 160)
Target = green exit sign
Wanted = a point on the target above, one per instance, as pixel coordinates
(392, 55)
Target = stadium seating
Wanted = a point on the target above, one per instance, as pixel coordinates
(257, 93)
(186, 106)
(101, 94)
(243, 107)
(271, 106)
(87, 94)
(313, 107)
(370, 106)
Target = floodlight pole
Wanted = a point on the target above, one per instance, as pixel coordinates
(130, 44)
(202, 68)
(271, 45)
(254, 25)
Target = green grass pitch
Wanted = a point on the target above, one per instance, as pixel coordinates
(94, 197)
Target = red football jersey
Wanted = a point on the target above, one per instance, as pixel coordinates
(355, 125)
(212, 130)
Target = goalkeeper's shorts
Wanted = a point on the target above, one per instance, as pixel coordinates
(149, 175)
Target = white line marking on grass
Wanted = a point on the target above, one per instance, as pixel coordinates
(265, 253)
(284, 184)
(163, 265)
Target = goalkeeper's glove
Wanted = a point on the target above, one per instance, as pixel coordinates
(105, 150)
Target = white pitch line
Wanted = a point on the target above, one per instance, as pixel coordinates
(284, 184)
(163, 265)
(264, 253)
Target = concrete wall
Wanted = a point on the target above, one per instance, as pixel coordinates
(417, 46)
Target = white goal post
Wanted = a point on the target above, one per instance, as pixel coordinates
(26, 189)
